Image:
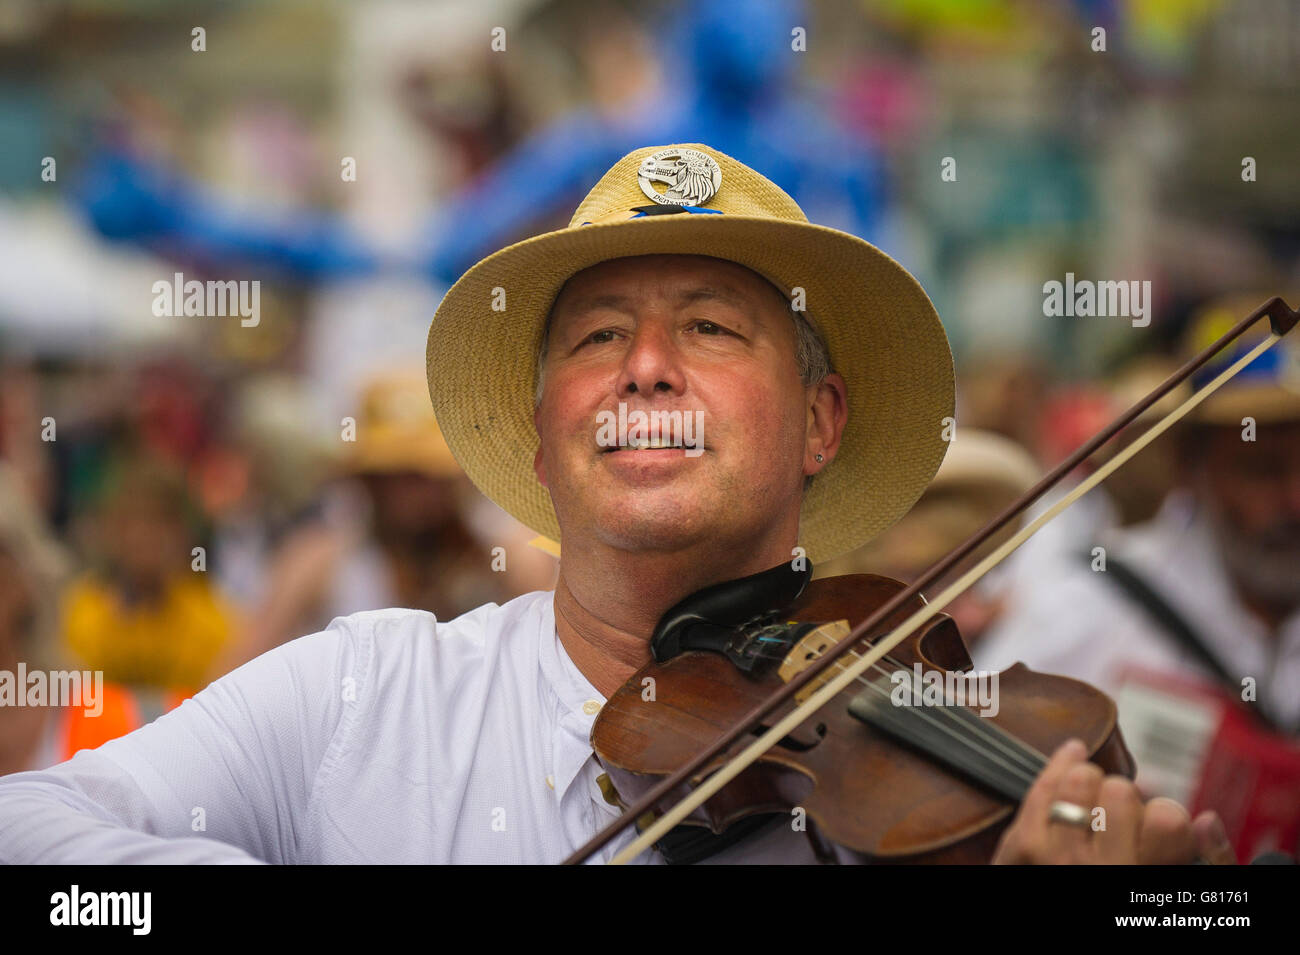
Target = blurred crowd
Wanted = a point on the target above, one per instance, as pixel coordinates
(179, 494)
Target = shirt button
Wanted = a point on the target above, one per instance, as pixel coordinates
(591, 707)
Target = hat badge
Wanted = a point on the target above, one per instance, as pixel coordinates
(692, 177)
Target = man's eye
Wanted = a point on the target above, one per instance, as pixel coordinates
(600, 337)
(709, 328)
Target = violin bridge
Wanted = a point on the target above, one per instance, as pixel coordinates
(808, 650)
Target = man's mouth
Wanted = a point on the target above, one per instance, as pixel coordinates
(646, 444)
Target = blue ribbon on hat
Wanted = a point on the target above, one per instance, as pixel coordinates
(1267, 367)
(659, 209)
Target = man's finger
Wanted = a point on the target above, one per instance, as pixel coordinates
(1079, 785)
(1212, 839)
(1166, 837)
(1043, 791)
(1027, 834)
(1117, 842)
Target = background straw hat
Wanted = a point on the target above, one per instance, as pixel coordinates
(981, 475)
(396, 431)
(883, 333)
(1268, 389)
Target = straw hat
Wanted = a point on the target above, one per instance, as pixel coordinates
(1268, 389)
(396, 432)
(883, 334)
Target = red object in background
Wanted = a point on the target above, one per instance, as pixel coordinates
(1200, 745)
(123, 710)
(221, 478)
(886, 101)
(1070, 418)
(1264, 772)
(169, 412)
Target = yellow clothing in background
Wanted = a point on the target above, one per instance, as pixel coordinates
(171, 642)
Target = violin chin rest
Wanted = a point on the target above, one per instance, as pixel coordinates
(707, 618)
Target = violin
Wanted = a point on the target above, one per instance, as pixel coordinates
(806, 676)
(886, 772)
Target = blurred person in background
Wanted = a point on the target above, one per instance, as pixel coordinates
(1191, 620)
(280, 476)
(147, 613)
(33, 569)
(1068, 418)
(418, 551)
(401, 530)
(1135, 492)
(25, 455)
(1051, 421)
(981, 474)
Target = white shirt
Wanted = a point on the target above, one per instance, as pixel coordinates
(1052, 550)
(388, 737)
(1076, 622)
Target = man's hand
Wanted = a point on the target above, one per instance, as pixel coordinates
(1159, 832)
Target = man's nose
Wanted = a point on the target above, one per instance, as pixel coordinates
(652, 363)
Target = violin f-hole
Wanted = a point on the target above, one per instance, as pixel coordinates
(801, 740)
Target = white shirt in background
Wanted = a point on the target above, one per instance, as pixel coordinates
(1073, 621)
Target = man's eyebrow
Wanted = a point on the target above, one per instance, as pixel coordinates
(613, 301)
(610, 300)
(719, 293)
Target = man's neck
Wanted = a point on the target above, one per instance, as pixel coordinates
(606, 608)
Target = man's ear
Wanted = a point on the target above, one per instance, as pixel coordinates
(828, 412)
(539, 468)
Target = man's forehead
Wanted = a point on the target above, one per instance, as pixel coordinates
(684, 279)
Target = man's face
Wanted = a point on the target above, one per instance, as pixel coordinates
(1253, 492)
(690, 334)
(144, 539)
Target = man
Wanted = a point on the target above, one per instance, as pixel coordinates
(393, 737)
(1193, 618)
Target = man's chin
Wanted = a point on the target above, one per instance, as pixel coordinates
(652, 526)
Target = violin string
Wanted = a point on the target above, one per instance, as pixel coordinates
(995, 738)
(998, 736)
(1031, 760)
(1019, 773)
(1031, 756)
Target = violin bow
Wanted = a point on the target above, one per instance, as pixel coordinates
(1282, 319)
